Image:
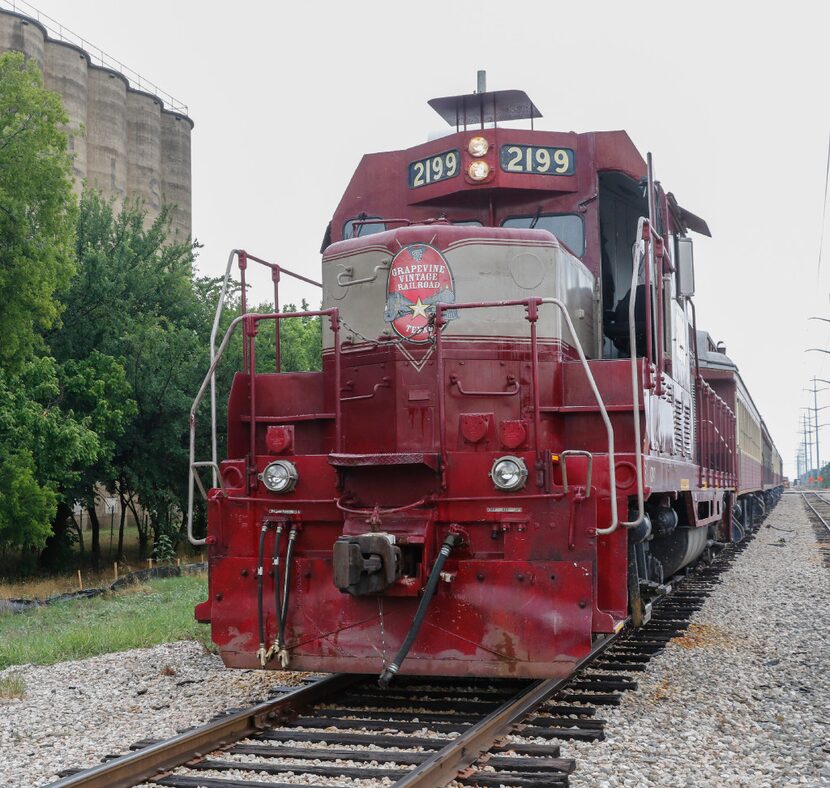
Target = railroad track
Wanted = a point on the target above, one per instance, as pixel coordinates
(819, 506)
(421, 731)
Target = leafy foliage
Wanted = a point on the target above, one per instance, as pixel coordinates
(105, 341)
(41, 443)
(37, 208)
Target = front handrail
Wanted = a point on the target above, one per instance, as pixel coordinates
(209, 381)
(532, 306)
(276, 271)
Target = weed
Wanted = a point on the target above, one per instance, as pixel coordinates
(12, 686)
(113, 622)
(167, 671)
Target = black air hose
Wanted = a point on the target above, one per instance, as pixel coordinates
(452, 540)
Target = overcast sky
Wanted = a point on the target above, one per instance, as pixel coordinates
(732, 101)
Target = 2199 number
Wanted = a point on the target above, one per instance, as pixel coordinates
(537, 160)
(434, 169)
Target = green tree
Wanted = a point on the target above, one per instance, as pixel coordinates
(37, 208)
(41, 443)
(131, 342)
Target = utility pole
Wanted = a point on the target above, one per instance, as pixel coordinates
(808, 441)
(815, 423)
(815, 390)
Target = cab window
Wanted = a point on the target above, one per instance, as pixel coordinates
(363, 225)
(567, 227)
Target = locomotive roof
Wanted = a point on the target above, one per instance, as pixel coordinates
(494, 106)
(709, 356)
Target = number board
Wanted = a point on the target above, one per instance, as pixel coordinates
(538, 160)
(435, 168)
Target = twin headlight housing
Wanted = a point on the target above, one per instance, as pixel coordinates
(280, 476)
(509, 473)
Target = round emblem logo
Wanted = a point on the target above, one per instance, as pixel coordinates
(419, 278)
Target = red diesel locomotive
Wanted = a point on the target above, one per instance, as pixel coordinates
(512, 444)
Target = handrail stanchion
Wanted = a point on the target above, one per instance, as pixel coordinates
(439, 369)
(243, 301)
(338, 405)
(213, 332)
(244, 257)
(533, 319)
(275, 278)
(648, 305)
(250, 338)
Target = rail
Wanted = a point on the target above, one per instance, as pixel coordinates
(148, 762)
(717, 459)
(532, 306)
(815, 511)
(277, 270)
(445, 765)
(250, 321)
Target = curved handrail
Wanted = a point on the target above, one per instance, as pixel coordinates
(209, 380)
(609, 429)
(635, 386)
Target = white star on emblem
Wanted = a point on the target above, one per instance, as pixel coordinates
(419, 309)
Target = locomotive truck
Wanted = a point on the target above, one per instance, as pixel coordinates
(518, 434)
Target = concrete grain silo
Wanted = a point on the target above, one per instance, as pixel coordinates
(144, 150)
(175, 169)
(19, 33)
(128, 138)
(106, 132)
(65, 73)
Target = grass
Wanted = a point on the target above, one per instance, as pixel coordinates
(12, 686)
(159, 611)
(44, 587)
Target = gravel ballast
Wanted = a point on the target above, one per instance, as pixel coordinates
(74, 713)
(742, 700)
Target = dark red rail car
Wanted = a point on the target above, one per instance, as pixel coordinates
(511, 444)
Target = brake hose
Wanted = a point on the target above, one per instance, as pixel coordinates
(452, 540)
(262, 654)
(282, 652)
(276, 645)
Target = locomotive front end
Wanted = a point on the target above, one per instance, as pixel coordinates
(414, 507)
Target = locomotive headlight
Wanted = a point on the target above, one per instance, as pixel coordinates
(280, 476)
(509, 473)
(479, 170)
(478, 146)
